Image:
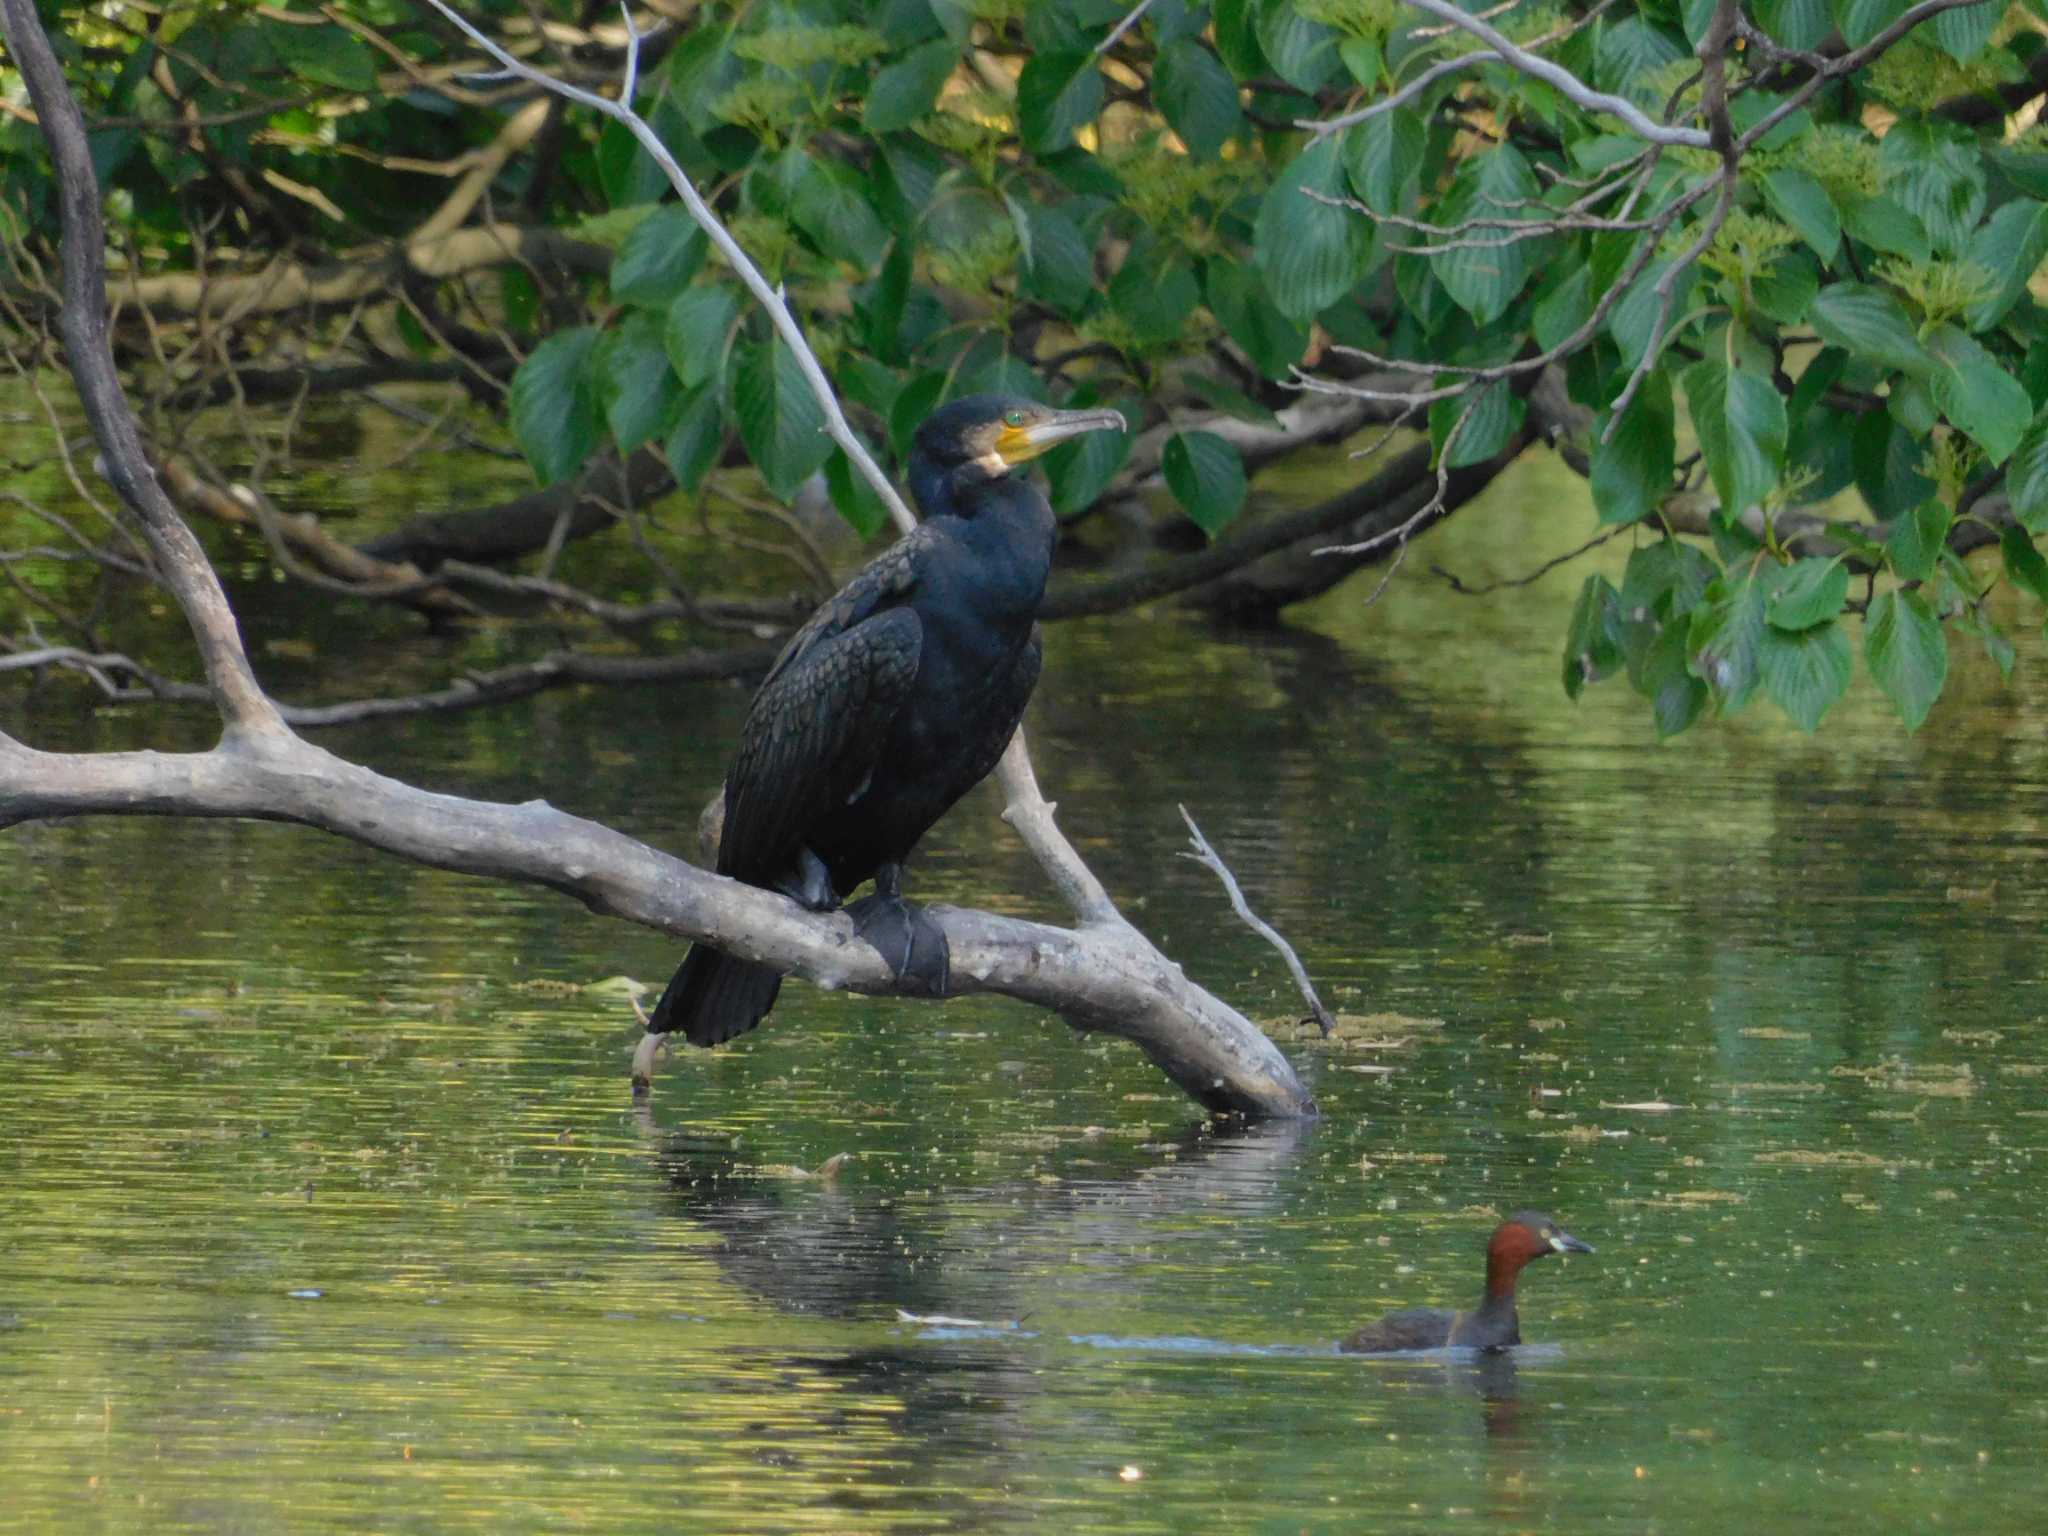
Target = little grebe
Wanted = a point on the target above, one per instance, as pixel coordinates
(1492, 1324)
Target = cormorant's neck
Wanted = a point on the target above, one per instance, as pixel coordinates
(948, 490)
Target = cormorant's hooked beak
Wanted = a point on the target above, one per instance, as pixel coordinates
(1050, 428)
(1564, 1242)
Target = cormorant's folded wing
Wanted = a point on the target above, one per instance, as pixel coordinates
(813, 737)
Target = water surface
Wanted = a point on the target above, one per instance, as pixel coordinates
(326, 1207)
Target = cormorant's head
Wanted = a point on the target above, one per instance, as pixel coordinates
(996, 433)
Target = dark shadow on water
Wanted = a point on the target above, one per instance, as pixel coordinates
(834, 1249)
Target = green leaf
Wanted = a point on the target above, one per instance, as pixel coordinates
(1155, 292)
(1886, 461)
(1197, 97)
(1631, 473)
(1962, 33)
(1629, 52)
(1803, 203)
(1861, 20)
(626, 173)
(1868, 322)
(2026, 478)
(1881, 224)
(1907, 653)
(1974, 621)
(2024, 566)
(1911, 404)
(780, 420)
(1806, 593)
(1726, 637)
(1237, 38)
(700, 322)
(1056, 94)
(1805, 671)
(1665, 579)
(1496, 413)
(1384, 157)
(1740, 420)
(658, 259)
(1230, 401)
(1310, 253)
(1237, 298)
(906, 90)
(1916, 539)
(1059, 264)
(1633, 320)
(915, 401)
(696, 440)
(1206, 476)
(879, 305)
(829, 203)
(639, 391)
(1364, 58)
(1786, 292)
(1484, 279)
(1937, 178)
(2026, 170)
(1977, 394)
(2009, 245)
(1801, 24)
(857, 501)
(1560, 312)
(1676, 696)
(1302, 52)
(1592, 646)
(326, 56)
(553, 405)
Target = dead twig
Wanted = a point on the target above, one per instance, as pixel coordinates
(1205, 855)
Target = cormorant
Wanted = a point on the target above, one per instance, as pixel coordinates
(895, 699)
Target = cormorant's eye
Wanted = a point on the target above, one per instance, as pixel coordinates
(1013, 418)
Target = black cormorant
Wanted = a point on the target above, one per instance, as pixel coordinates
(895, 699)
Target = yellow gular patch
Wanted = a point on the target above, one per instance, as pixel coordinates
(1015, 446)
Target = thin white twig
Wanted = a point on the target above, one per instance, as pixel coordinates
(1570, 84)
(765, 294)
(1205, 855)
(1406, 93)
(1122, 27)
(631, 82)
(1444, 67)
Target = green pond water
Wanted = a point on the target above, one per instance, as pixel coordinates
(323, 1205)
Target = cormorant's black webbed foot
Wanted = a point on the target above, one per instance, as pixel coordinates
(809, 884)
(904, 934)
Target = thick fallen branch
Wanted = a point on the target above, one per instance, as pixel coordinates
(1102, 977)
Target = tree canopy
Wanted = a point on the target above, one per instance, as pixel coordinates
(1763, 273)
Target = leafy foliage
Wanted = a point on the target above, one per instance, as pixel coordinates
(1841, 322)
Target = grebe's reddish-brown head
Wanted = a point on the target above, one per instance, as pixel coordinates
(1521, 1239)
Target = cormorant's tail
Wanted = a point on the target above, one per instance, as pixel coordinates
(713, 997)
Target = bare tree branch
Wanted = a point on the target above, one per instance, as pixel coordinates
(1569, 84)
(1129, 21)
(83, 325)
(1205, 855)
(1102, 980)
